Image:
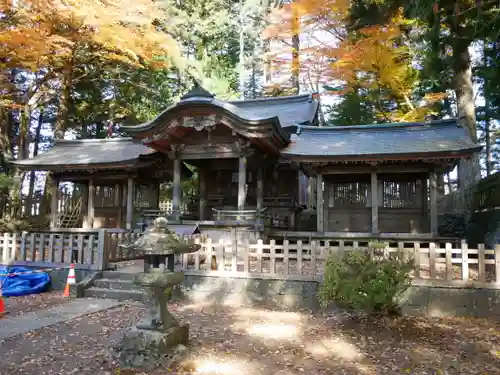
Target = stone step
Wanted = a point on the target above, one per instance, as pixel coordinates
(117, 275)
(116, 284)
(115, 294)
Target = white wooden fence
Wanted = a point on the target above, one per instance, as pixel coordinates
(434, 263)
(300, 260)
(55, 249)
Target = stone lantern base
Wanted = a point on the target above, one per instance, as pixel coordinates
(147, 349)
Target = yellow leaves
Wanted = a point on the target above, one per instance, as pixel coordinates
(432, 98)
(50, 31)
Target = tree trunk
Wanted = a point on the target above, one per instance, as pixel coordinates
(295, 51)
(36, 146)
(64, 102)
(242, 55)
(268, 74)
(464, 92)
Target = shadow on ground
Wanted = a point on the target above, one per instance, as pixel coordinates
(236, 340)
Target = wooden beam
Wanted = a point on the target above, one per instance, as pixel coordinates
(319, 203)
(130, 203)
(54, 189)
(85, 207)
(350, 169)
(242, 177)
(108, 176)
(176, 194)
(202, 192)
(260, 187)
(374, 196)
(425, 202)
(433, 203)
(118, 204)
(326, 209)
(91, 204)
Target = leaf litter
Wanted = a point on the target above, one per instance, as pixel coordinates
(250, 341)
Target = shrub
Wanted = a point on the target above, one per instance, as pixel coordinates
(370, 280)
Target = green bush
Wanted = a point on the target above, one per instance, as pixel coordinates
(370, 280)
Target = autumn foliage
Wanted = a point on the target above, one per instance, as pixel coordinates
(376, 59)
(62, 39)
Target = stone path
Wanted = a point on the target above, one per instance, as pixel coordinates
(16, 325)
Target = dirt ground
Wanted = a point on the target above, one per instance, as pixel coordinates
(22, 305)
(251, 341)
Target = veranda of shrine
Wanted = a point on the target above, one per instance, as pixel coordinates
(269, 178)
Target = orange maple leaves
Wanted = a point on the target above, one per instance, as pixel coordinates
(44, 32)
(377, 58)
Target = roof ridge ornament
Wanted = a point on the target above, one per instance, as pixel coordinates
(197, 91)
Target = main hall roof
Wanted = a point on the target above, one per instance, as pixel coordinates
(380, 141)
(74, 154)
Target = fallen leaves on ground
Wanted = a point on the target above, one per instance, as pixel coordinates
(250, 341)
(25, 304)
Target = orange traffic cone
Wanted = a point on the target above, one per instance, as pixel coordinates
(2, 303)
(71, 280)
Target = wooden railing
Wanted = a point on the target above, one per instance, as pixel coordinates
(118, 246)
(434, 263)
(299, 260)
(487, 193)
(239, 217)
(54, 249)
(483, 196)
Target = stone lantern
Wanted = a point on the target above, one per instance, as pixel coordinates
(154, 339)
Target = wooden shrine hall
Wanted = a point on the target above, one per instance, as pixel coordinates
(267, 160)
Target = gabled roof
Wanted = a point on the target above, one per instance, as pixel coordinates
(98, 153)
(291, 110)
(261, 120)
(399, 140)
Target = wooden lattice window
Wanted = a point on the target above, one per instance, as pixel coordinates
(400, 194)
(348, 194)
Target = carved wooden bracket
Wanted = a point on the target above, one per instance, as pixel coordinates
(199, 122)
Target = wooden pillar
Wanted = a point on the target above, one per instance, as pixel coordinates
(85, 206)
(130, 203)
(326, 200)
(242, 178)
(54, 200)
(260, 188)
(176, 198)
(118, 205)
(91, 204)
(433, 203)
(311, 187)
(202, 193)
(374, 196)
(319, 203)
(425, 205)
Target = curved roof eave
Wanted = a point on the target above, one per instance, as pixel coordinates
(402, 156)
(21, 164)
(228, 109)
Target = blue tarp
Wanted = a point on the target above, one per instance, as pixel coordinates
(22, 285)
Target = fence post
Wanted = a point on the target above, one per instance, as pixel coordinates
(465, 261)
(5, 251)
(481, 265)
(432, 260)
(449, 262)
(416, 246)
(22, 248)
(497, 263)
(272, 255)
(102, 250)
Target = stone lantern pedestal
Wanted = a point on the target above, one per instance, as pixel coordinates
(157, 338)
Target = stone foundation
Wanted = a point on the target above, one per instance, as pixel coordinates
(296, 295)
(148, 349)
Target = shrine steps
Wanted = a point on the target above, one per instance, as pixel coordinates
(115, 285)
